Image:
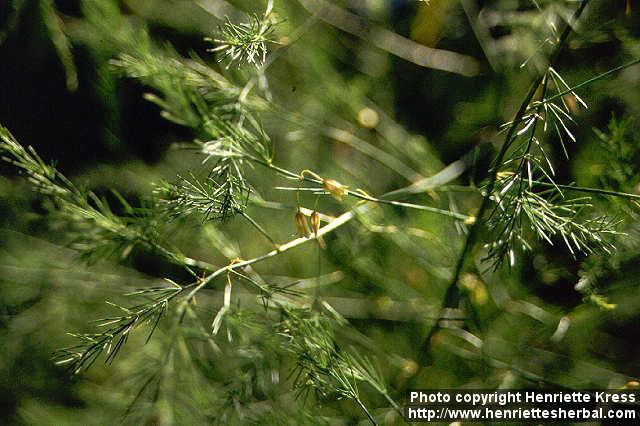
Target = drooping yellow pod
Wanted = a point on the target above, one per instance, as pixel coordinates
(336, 189)
(315, 225)
(301, 225)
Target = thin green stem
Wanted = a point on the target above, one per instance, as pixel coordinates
(591, 190)
(361, 195)
(259, 228)
(172, 257)
(451, 298)
(393, 403)
(411, 206)
(593, 79)
(366, 197)
(366, 411)
(337, 222)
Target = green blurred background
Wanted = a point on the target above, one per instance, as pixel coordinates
(343, 98)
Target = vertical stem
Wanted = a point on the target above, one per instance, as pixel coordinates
(452, 294)
(366, 411)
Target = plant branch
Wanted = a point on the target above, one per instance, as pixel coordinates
(259, 228)
(592, 80)
(452, 296)
(336, 223)
(363, 195)
(366, 411)
(590, 190)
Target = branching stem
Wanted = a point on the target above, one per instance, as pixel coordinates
(592, 80)
(599, 191)
(259, 228)
(363, 195)
(366, 411)
(452, 295)
(339, 221)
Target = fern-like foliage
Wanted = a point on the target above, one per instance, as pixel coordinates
(526, 196)
(226, 130)
(99, 232)
(322, 366)
(117, 329)
(223, 118)
(205, 197)
(246, 42)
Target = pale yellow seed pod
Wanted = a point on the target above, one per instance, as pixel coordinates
(315, 221)
(301, 225)
(315, 225)
(336, 189)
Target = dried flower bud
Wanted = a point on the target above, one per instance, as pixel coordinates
(301, 225)
(315, 225)
(315, 221)
(336, 189)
